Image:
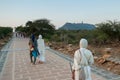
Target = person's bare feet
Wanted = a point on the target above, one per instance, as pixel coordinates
(34, 64)
(40, 62)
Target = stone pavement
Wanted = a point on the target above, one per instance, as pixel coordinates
(18, 67)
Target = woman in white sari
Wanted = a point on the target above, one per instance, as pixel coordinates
(83, 58)
(41, 49)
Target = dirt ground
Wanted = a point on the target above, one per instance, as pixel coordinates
(3, 42)
(101, 54)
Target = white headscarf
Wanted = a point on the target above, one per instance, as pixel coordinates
(40, 36)
(83, 43)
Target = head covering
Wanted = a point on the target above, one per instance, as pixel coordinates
(41, 48)
(40, 36)
(83, 43)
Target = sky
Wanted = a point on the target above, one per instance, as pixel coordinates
(17, 12)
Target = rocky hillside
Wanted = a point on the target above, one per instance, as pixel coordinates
(77, 26)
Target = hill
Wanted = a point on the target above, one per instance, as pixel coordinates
(77, 26)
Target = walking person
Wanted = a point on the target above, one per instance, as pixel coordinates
(30, 45)
(83, 58)
(33, 53)
(41, 49)
(33, 48)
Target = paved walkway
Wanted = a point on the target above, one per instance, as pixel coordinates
(18, 67)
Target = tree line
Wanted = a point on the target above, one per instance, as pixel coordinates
(105, 32)
(40, 26)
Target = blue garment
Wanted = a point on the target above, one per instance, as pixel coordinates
(33, 37)
(34, 53)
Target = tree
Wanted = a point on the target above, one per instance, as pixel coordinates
(19, 28)
(41, 26)
(28, 24)
(5, 31)
(110, 28)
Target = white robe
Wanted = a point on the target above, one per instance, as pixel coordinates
(83, 58)
(41, 49)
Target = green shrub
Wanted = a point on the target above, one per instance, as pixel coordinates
(5, 31)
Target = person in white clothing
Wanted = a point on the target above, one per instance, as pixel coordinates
(41, 49)
(83, 58)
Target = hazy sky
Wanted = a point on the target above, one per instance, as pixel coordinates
(18, 12)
